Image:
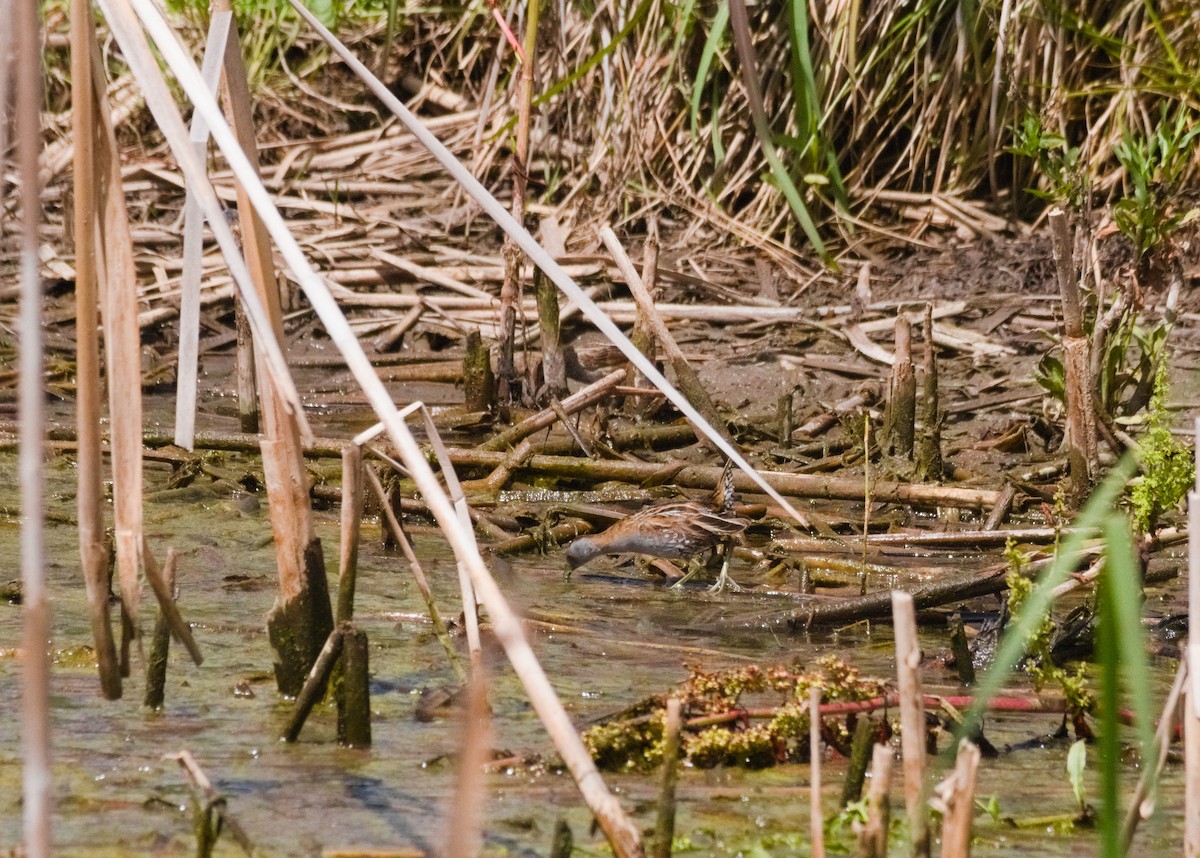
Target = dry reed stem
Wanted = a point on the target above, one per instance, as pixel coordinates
(37, 787)
(283, 459)
(123, 365)
(664, 826)
(200, 781)
(704, 476)
(873, 836)
(816, 816)
(316, 682)
(574, 403)
(1142, 802)
(1191, 755)
(912, 718)
(466, 813)
(122, 21)
(960, 803)
(685, 376)
(1191, 695)
(187, 362)
(90, 490)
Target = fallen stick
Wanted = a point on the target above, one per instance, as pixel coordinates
(879, 605)
(314, 685)
(696, 477)
(575, 402)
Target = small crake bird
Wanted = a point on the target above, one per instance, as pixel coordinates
(678, 530)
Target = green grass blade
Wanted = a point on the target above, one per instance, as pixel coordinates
(1108, 653)
(716, 35)
(592, 61)
(740, 21)
(1122, 582)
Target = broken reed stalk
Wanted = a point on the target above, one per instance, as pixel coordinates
(188, 358)
(1081, 437)
(964, 662)
(685, 376)
(873, 837)
(586, 396)
(826, 420)
(550, 317)
(860, 753)
(816, 816)
(464, 829)
(479, 383)
(180, 630)
(302, 618)
(912, 718)
(664, 826)
(391, 338)
(960, 805)
(642, 334)
(900, 415)
(354, 691)
(123, 365)
(563, 842)
(929, 457)
(785, 416)
(554, 362)
(1191, 754)
(247, 384)
(314, 685)
(90, 490)
(510, 290)
(25, 59)
(414, 565)
(160, 644)
(210, 798)
(351, 524)
(7, 58)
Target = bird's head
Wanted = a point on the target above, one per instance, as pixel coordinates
(579, 552)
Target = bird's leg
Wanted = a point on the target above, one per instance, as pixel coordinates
(725, 582)
(694, 566)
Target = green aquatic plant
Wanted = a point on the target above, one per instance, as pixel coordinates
(1167, 468)
(1039, 663)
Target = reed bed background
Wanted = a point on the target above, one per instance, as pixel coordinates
(938, 112)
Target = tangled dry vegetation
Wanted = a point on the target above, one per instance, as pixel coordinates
(887, 118)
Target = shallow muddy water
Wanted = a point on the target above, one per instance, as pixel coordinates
(607, 638)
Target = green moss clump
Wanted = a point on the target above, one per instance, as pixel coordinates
(760, 717)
